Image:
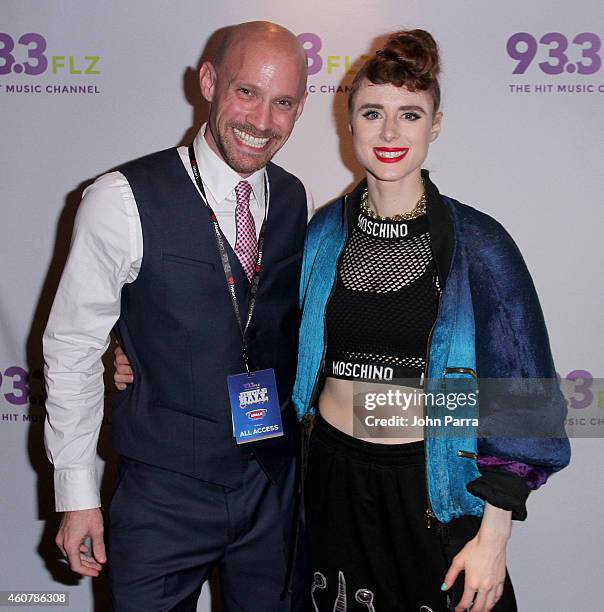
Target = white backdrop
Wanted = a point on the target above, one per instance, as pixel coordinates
(525, 147)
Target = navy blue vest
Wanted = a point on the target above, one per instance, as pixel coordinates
(178, 328)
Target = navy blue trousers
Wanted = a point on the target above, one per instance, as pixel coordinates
(168, 531)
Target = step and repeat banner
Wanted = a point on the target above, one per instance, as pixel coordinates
(85, 86)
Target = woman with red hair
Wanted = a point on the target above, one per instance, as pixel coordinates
(401, 284)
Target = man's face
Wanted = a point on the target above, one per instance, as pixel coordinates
(256, 94)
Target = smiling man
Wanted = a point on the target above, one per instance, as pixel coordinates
(244, 130)
(193, 255)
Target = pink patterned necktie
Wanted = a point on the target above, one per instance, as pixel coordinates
(246, 244)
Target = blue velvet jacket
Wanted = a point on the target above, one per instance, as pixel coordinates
(489, 326)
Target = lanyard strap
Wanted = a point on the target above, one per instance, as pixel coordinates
(226, 264)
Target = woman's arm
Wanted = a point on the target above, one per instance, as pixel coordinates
(483, 559)
(522, 410)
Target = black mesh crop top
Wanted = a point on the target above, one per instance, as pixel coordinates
(384, 302)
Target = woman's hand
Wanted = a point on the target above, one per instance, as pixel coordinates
(123, 374)
(483, 560)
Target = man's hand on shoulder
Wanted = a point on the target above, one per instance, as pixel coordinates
(76, 526)
(123, 375)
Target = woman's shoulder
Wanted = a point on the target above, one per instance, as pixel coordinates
(473, 218)
(479, 230)
(334, 213)
(327, 216)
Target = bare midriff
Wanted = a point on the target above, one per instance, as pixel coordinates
(336, 407)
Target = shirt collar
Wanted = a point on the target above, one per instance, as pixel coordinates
(218, 177)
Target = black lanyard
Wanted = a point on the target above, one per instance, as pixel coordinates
(226, 264)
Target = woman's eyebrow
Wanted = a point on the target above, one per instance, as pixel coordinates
(406, 107)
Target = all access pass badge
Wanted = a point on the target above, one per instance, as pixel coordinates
(255, 406)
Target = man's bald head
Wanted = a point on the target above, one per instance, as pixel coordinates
(245, 37)
(256, 87)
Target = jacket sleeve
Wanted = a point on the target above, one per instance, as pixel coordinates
(312, 242)
(308, 258)
(522, 440)
(311, 284)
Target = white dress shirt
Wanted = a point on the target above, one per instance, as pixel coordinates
(106, 252)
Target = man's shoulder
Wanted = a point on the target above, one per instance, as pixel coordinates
(278, 174)
(150, 162)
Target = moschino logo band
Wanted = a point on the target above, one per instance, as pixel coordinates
(382, 229)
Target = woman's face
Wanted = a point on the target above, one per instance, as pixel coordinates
(391, 129)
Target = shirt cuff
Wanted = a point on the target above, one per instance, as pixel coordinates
(503, 490)
(533, 476)
(76, 489)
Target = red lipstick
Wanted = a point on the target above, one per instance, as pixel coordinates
(390, 155)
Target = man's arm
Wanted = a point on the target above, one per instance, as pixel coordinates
(105, 253)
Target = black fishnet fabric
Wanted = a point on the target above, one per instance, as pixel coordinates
(385, 300)
(383, 265)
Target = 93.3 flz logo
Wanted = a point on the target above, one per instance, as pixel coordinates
(570, 64)
(27, 56)
(328, 64)
(579, 53)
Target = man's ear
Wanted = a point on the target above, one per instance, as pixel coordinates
(436, 126)
(207, 80)
(301, 105)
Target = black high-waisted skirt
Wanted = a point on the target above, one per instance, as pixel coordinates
(371, 548)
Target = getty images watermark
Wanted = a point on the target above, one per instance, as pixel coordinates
(497, 408)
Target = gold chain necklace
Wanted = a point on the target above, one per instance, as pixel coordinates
(417, 211)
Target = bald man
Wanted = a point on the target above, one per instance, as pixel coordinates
(167, 252)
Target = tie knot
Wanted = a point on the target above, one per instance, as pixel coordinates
(242, 191)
